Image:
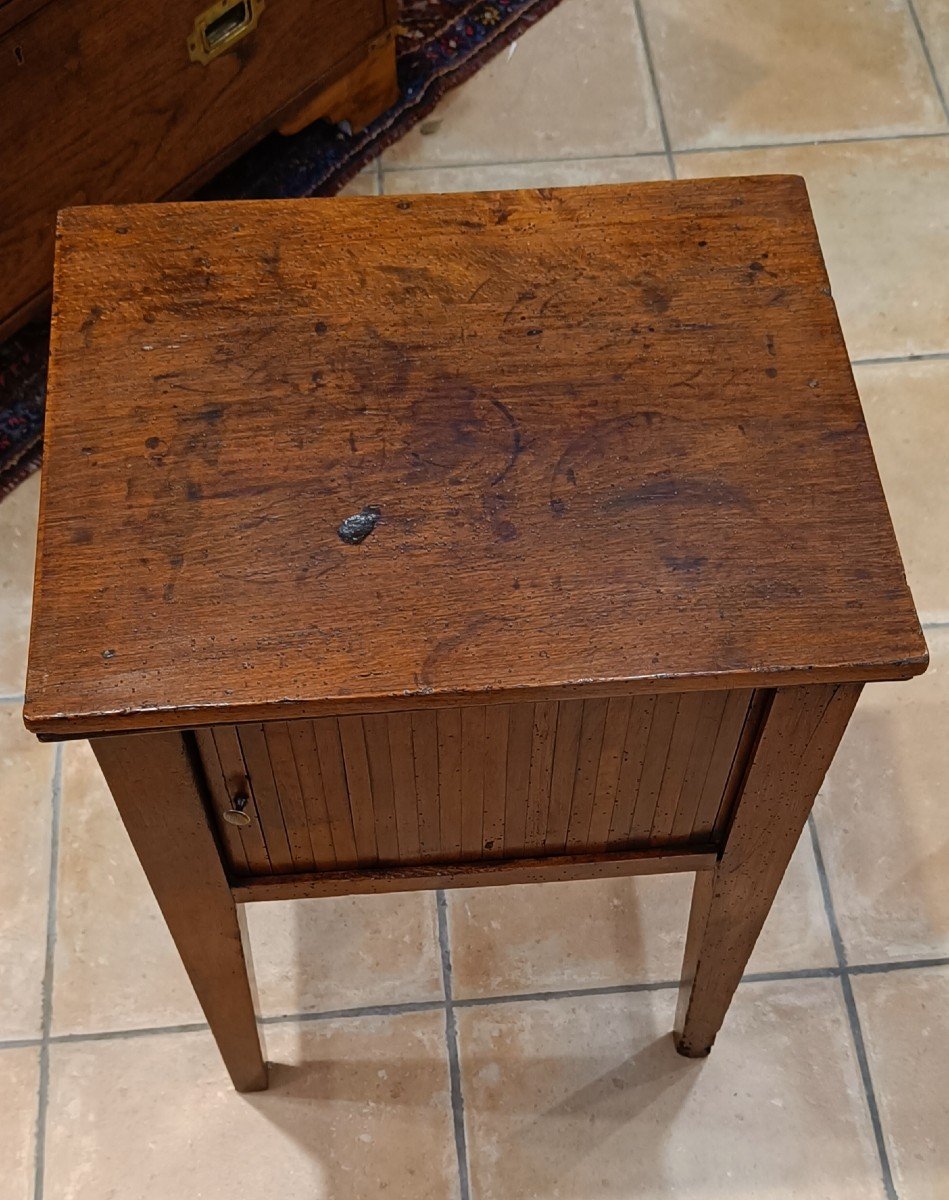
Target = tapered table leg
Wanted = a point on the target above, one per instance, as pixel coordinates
(153, 782)
(801, 731)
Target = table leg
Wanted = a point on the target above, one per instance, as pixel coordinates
(152, 779)
(800, 734)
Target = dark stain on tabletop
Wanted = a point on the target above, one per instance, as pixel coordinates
(517, 444)
(89, 323)
(686, 563)
(684, 491)
(357, 528)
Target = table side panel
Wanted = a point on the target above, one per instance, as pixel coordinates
(494, 782)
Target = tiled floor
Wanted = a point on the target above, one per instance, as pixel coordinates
(550, 1072)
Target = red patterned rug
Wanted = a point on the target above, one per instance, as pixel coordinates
(441, 43)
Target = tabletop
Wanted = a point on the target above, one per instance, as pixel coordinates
(357, 454)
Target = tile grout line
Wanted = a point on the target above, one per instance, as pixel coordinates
(451, 1040)
(119, 1035)
(42, 1099)
(929, 58)
(853, 1016)
(14, 698)
(574, 158)
(907, 136)
(416, 1006)
(336, 1014)
(654, 82)
(887, 968)
(883, 360)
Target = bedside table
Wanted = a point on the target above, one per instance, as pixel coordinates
(458, 540)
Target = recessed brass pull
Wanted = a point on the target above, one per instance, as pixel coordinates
(236, 815)
(222, 26)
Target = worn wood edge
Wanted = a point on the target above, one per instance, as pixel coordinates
(52, 367)
(561, 867)
(60, 726)
(104, 216)
(15, 12)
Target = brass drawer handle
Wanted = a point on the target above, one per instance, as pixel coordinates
(236, 814)
(222, 26)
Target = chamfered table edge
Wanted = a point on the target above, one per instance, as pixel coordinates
(62, 726)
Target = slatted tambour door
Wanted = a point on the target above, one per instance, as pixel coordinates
(481, 782)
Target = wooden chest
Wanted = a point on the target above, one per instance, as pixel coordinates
(107, 101)
(395, 543)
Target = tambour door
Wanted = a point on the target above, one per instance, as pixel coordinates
(482, 782)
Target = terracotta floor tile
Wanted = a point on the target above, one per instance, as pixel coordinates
(884, 822)
(588, 1098)
(356, 1108)
(26, 773)
(19, 1070)
(18, 513)
(907, 411)
(117, 968)
(573, 86)
(884, 229)
(366, 183)
(934, 19)
(741, 72)
(323, 955)
(904, 1016)
(574, 173)
(555, 936)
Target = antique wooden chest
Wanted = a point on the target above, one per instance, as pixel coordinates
(105, 101)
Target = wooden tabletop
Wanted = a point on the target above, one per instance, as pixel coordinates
(597, 440)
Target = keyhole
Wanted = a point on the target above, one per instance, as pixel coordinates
(18, 55)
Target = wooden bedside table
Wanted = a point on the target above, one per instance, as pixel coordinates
(436, 542)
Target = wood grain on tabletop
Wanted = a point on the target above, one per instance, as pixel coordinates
(612, 435)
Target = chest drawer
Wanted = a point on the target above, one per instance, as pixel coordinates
(476, 783)
(102, 102)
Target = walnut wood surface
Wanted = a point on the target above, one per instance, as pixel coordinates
(155, 786)
(612, 432)
(802, 728)
(418, 787)
(100, 102)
